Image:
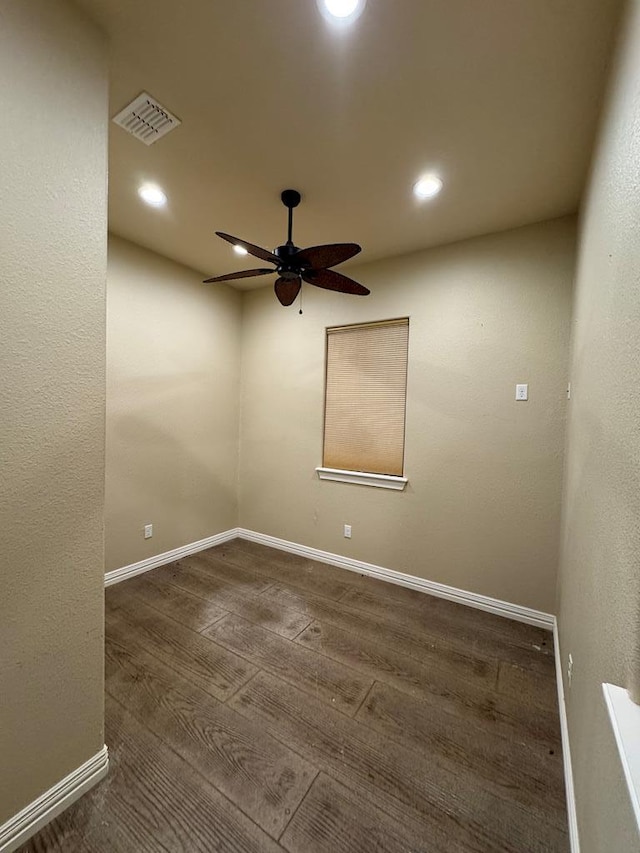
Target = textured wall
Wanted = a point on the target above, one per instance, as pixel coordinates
(53, 136)
(600, 575)
(173, 364)
(482, 507)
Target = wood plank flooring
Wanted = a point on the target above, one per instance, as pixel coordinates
(259, 701)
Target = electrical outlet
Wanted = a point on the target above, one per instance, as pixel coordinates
(522, 392)
(148, 531)
(570, 670)
(347, 531)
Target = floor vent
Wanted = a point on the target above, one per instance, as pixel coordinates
(146, 119)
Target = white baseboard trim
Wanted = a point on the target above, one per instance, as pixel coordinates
(37, 814)
(472, 599)
(572, 816)
(134, 569)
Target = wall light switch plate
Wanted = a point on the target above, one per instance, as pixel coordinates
(347, 531)
(148, 531)
(522, 392)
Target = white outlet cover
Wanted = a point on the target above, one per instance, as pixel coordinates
(522, 392)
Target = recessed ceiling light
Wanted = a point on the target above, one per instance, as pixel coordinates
(343, 11)
(240, 250)
(153, 195)
(427, 187)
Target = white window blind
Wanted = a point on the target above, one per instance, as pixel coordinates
(365, 402)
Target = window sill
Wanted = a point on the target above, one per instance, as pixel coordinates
(362, 478)
(625, 722)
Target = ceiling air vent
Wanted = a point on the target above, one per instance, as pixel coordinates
(146, 119)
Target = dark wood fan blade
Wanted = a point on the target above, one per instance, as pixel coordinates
(323, 257)
(231, 276)
(256, 251)
(287, 289)
(331, 280)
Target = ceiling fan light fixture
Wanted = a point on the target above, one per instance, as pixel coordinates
(153, 195)
(428, 186)
(341, 11)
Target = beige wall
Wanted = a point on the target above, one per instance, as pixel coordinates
(172, 405)
(53, 136)
(600, 576)
(482, 507)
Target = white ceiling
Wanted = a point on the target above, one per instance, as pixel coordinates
(501, 97)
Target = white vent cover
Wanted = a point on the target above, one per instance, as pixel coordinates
(146, 119)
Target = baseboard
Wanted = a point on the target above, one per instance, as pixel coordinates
(37, 814)
(134, 569)
(451, 593)
(572, 816)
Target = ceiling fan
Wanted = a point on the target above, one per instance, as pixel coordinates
(294, 265)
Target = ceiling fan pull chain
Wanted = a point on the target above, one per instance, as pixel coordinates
(301, 289)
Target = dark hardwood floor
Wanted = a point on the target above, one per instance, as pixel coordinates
(258, 701)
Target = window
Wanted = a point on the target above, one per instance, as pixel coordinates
(365, 401)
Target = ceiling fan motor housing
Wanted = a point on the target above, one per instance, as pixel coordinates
(285, 268)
